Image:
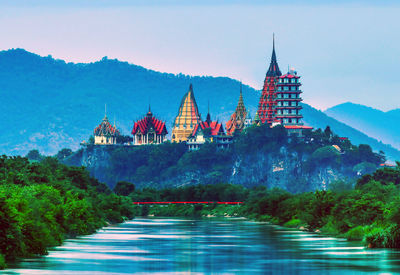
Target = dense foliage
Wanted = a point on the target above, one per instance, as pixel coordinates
(164, 165)
(368, 211)
(42, 203)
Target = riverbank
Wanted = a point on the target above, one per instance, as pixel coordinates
(42, 204)
(207, 246)
(237, 211)
(370, 212)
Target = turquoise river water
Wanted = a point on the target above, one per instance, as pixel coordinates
(208, 246)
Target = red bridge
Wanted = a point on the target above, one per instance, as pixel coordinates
(188, 202)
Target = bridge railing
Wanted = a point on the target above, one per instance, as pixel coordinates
(187, 202)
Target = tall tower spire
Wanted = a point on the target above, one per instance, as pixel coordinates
(238, 118)
(266, 106)
(273, 69)
(188, 117)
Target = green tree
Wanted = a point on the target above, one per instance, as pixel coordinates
(34, 155)
(124, 188)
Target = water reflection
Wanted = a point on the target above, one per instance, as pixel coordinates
(181, 246)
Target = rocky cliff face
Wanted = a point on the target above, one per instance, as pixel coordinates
(96, 159)
(284, 169)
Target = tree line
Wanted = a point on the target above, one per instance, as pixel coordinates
(43, 202)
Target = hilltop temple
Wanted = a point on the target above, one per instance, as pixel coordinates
(149, 130)
(208, 131)
(279, 104)
(240, 119)
(188, 117)
(280, 99)
(105, 133)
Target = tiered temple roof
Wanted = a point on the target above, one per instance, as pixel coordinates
(237, 121)
(188, 117)
(106, 129)
(215, 128)
(149, 122)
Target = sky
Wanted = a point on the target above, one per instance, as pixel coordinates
(343, 50)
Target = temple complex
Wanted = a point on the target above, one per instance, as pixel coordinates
(239, 119)
(208, 131)
(188, 117)
(279, 104)
(280, 99)
(149, 130)
(105, 133)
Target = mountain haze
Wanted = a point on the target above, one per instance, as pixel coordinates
(375, 123)
(49, 104)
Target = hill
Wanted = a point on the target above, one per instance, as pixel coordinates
(49, 104)
(375, 123)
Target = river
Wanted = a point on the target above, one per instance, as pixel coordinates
(208, 246)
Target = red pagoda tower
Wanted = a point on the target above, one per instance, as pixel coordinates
(266, 106)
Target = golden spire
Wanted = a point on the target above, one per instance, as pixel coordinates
(188, 117)
(237, 121)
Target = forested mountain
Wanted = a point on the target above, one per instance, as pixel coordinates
(375, 123)
(49, 104)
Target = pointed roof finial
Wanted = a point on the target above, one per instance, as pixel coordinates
(273, 67)
(273, 41)
(191, 87)
(208, 118)
(105, 110)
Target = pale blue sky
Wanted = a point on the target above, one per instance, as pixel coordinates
(343, 51)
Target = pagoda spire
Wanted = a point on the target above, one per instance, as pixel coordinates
(188, 117)
(240, 97)
(208, 118)
(149, 113)
(273, 69)
(237, 120)
(267, 104)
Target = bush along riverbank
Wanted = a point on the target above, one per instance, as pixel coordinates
(368, 210)
(42, 203)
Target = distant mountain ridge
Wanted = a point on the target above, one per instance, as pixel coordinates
(375, 123)
(49, 104)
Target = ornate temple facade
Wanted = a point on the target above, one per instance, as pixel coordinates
(149, 130)
(208, 131)
(187, 119)
(105, 133)
(240, 119)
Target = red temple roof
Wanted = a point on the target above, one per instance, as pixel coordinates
(148, 122)
(216, 128)
(288, 75)
(106, 129)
